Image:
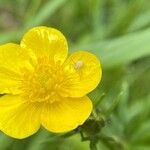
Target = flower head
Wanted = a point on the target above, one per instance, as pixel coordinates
(44, 87)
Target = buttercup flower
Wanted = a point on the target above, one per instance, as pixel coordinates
(42, 86)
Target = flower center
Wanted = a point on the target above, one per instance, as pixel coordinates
(42, 83)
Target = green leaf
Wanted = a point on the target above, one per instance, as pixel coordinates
(5, 142)
(120, 51)
(45, 12)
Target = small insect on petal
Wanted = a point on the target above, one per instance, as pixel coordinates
(78, 65)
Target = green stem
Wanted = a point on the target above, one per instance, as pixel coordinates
(93, 145)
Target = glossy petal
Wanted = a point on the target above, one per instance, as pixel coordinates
(66, 114)
(83, 74)
(17, 118)
(46, 41)
(12, 59)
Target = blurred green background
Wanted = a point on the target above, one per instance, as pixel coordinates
(118, 32)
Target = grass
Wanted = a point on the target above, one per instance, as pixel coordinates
(118, 32)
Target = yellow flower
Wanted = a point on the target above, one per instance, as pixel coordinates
(42, 86)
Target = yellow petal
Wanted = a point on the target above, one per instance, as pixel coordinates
(66, 115)
(83, 74)
(46, 41)
(12, 59)
(17, 118)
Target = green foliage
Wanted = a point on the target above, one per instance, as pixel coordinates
(118, 32)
